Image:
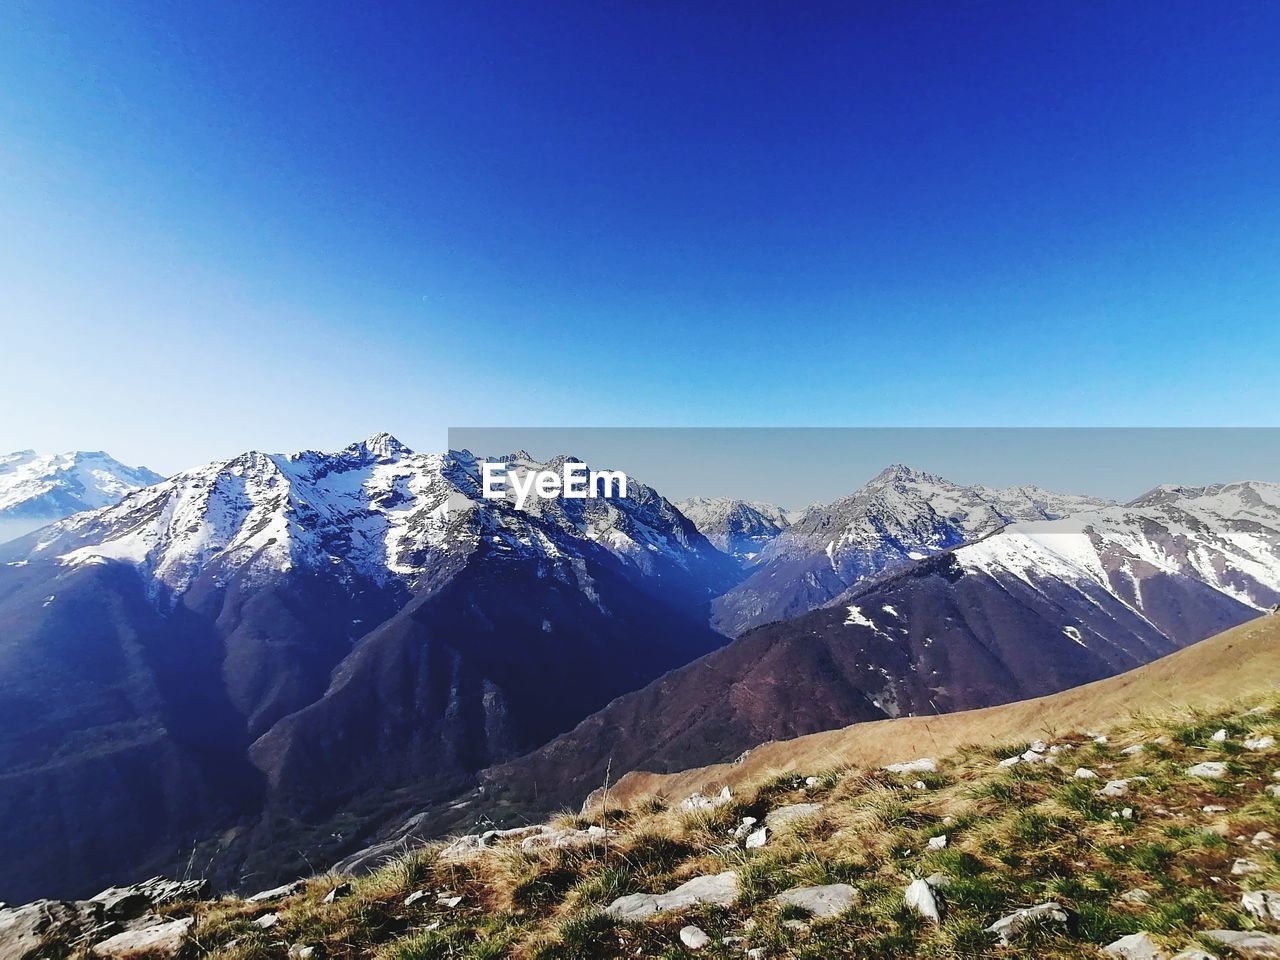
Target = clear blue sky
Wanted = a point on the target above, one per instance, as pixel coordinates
(285, 225)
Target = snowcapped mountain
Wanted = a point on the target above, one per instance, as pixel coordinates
(741, 528)
(1036, 607)
(36, 489)
(899, 516)
(375, 511)
(278, 636)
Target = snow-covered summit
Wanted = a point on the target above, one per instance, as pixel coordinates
(36, 489)
(373, 511)
(738, 527)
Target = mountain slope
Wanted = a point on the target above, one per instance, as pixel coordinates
(899, 516)
(276, 638)
(1237, 664)
(741, 528)
(36, 489)
(1030, 610)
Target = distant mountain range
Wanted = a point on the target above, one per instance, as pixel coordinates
(36, 489)
(269, 659)
(1028, 609)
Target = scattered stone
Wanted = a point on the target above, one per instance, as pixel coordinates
(1132, 751)
(939, 881)
(555, 839)
(1136, 946)
(278, 893)
(1260, 743)
(919, 785)
(822, 902)
(463, 848)
(810, 782)
(339, 892)
(448, 901)
(305, 951)
(1263, 904)
(1114, 788)
(1009, 926)
(695, 938)
(923, 765)
(1100, 739)
(919, 896)
(267, 921)
(756, 953)
(1251, 945)
(698, 802)
(1263, 838)
(1274, 789)
(1243, 867)
(720, 889)
(1034, 756)
(1214, 808)
(415, 897)
(1219, 737)
(1136, 895)
(1084, 773)
(1193, 954)
(1011, 761)
(937, 843)
(1209, 770)
(790, 813)
(161, 940)
(757, 839)
(744, 827)
(1039, 746)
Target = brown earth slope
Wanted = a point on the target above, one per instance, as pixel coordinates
(1240, 662)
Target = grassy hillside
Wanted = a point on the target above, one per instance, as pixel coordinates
(1016, 837)
(1237, 663)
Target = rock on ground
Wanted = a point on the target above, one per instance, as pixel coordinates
(1208, 770)
(1263, 904)
(695, 938)
(822, 902)
(720, 889)
(162, 940)
(1008, 926)
(1251, 945)
(923, 765)
(788, 814)
(920, 897)
(1136, 946)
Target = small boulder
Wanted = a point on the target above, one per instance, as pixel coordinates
(341, 891)
(923, 765)
(267, 921)
(695, 938)
(1136, 946)
(1249, 944)
(160, 940)
(1219, 737)
(1136, 895)
(416, 897)
(822, 902)
(757, 839)
(1263, 904)
(1114, 788)
(1260, 743)
(1084, 773)
(279, 893)
(1008, 927)
(1208, 770)
(1243, 867)
(789, 814)
(937, 843)
(305, 951)
(744, 827)
(1193, 954)
(720, 889)
(920, 897)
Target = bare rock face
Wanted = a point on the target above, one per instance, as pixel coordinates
(23, 928)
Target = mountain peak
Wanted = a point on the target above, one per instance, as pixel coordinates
(380, 446)
(901, 473)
